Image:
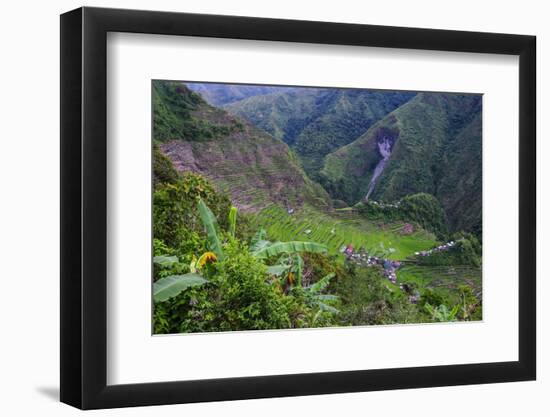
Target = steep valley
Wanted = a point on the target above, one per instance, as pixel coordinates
(317, 121)
(280, 208)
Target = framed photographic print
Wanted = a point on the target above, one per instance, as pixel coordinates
(257, 208)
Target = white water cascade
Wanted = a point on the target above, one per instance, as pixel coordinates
(384, 147)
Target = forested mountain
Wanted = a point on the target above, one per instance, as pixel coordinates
(435, 147)
(221, 94)
(433, 142)
(317, 121)
(241, 159)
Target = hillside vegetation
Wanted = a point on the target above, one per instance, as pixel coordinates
(248, 164)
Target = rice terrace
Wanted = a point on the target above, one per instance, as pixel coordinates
(280, 207)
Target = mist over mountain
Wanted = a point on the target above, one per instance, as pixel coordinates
(221, 94)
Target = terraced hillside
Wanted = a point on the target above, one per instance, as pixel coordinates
(254, 168)
(345, 228)
(443, 279)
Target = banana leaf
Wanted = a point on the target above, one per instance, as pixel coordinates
(232, 221)
(277, 270)
(326, 307)
(259, 244)
(327, 297)
(165, 261)
(169, 287)
(260, 235)
(321, 284)
(211, 226)
(279, 248)
(298, 269)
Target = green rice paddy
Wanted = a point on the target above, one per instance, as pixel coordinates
(335, 230)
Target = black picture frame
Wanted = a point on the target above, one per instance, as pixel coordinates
(84, 207)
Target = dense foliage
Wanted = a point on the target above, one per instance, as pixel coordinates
(422, 209)
(173, 107)
(230, 281)
(234, 290)
(467, 251)
(175, 209)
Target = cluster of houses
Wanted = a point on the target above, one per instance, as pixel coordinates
(413, 294)
(385, 205)
(389, 270)
(362, 258)
(437, 249)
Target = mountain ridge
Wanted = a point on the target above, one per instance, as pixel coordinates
(316, 121)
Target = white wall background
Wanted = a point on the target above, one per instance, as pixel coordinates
(29, 225)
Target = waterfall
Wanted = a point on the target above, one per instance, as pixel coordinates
(384, 147)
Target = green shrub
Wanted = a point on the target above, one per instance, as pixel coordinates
(175, 217)
(245, 300)
(466, 251)
(425, 210)
(368, 299)
(422, 208)
(236, 297)
(163, 170)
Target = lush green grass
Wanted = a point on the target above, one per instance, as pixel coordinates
(334, 230)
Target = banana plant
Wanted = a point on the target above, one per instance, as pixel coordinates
(315, 296)
(170, 286)
(442, 312)
(232, 217)
(289, 268)
(211, 225)
(290, 264)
